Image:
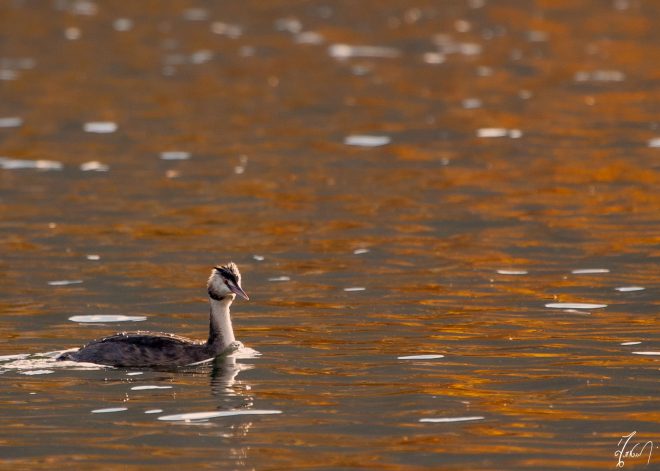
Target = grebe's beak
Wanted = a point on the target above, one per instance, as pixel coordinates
(238, 290)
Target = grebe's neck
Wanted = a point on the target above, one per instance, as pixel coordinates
(221, 332)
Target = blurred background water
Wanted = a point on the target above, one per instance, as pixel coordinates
(435, 180)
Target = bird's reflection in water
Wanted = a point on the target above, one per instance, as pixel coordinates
(224, 371)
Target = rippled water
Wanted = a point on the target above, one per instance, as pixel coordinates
(446, 215)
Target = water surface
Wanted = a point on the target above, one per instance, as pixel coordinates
(406, 187)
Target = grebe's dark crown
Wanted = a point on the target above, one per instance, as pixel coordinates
(229, 271)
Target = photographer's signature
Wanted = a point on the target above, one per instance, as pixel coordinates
(628, 450)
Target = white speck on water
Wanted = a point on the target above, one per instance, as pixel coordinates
(452, 419)
(96, 318)
(83, 8)
(655, 142)
(600, 76)
(175, 155)
(512, 272)
(201, 57)
(225, 29)
(64, 282)
(93, 257)
(355, 288)
(629, 343)
(72, 33)
(651, 353)
(536, 36)
(589, 271)
(360, 251)
(134, 373)
(289, 25)
(19, 164)
(122, 24)
(628, 289)
(19, 356)
(345, 51)
(433, 58)
(192, 416)
(100, 127)
(471, 103)
(94, 166)
(366, 140)
(279, 278)
(499, 132)
(10, 122)
(195, 14)
(37, 372)
(309, 37)
(109, 410)
(7, 74)
(575, 306)
(420, 357)
(259, 258)
(153, 411)
(147, 387)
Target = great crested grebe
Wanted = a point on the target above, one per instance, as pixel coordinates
(160, 349)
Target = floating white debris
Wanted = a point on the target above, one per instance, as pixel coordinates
(290, 25)
(647, 353)
(433, 58)
(6, 74)
(11, 122)
(499, 132)
(629, 343)
(628, 289)
(309, 37)
(600, 76)
(153, 411)
(210, 415)
(134, 373)
(536, 36)
(19, 356)
(201, 57)
(471, 103)
(360, 251)
(64, 282)
(452, 419)
(19, 164)
(226, 29)
(345, 51)
(279, 278)
(196, 14)
(355, 288)
(94, 166)
(655, 142)
(420, 357)
(72, 33)
(512, 272)
(175, 155)
(589, 271)
(37, 372)
(96, 318)
(365, 140)
(147, 387)
(100, 127)
(575, 306)
(93, 257)
(259, 258)
(122, 24)
(109, 410)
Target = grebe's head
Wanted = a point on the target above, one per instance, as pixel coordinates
(225, 281)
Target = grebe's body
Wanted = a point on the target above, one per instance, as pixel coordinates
(159, 349)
